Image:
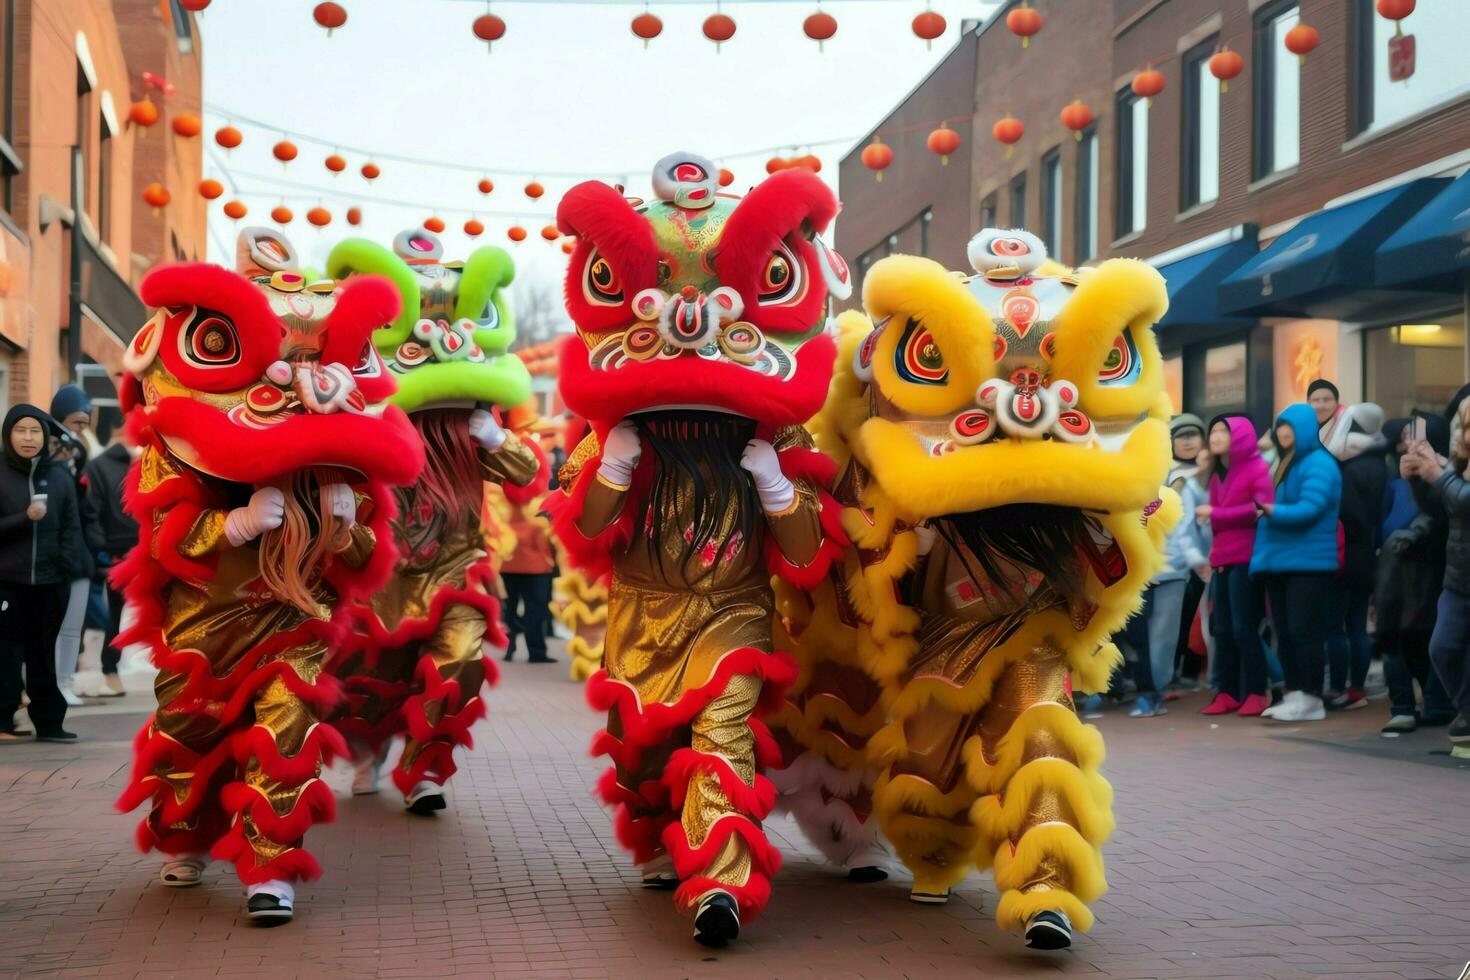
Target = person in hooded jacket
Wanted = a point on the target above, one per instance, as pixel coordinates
(73, 444)
(1356, 442)
(1449, 490)
(111, 533)
(1296, 558)
(40, 536)
(1410, 577)
(1187, 439)
(1239, 484)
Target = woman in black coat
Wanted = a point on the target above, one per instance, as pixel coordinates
(40, 538)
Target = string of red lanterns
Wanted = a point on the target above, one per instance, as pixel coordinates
(820, 27)
(943, 141)
(1225, 65)
(1024, 22)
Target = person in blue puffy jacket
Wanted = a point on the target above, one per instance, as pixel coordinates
(1296, 555)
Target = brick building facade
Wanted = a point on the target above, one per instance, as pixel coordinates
(1201, 179)
(75, 235)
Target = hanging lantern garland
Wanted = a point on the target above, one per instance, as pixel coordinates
(235, 210)
(488, 28)
(194, 6)
(1008, 131)
(719, 28)
(284, 151)
(1225, 65)
(187, 125)
(1301, 40)
(876, 157)
(944, 141)
(319, 216)
(534, 190)
(516, 233)
(335, 163)
(209, 189)
(550, 233)
(354, 216)
(646, 26)
(281, 214)
(567, 248)
(929, 26)
(486, 185)
(1396, 11)
(1077, 117)
(143, 113)
(473, 228)
(726, 177)
(156, 196)
(820, 27)
(1024, 22)
(370, 171)
(1148, 83)
(329, 15)
(434, 223)
(228, 137)
(809, 162)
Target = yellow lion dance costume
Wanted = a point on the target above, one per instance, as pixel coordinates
(1002, 442)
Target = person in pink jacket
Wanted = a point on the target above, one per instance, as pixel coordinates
(1240, 481)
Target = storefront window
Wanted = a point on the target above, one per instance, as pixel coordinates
(1400, 75)
(1174, 382)
(1225, 376)
(1415, 365)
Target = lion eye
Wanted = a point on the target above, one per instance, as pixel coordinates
(918, 358)
(1121, 364)
(210, 341)
(780, 279)
(602, 282)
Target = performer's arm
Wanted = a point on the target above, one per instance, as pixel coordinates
(792, 510)
(217, 529)
(609, 489)
(601, 506)
(504, 458)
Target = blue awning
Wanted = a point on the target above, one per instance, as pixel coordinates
(1434, 245)
(1194, 284)
(1324, 267)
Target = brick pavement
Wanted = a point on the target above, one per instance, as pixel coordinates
(1242, 851)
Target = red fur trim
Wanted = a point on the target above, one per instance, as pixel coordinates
(602, 220)
(314, 804)
(153, 751)
(364, 303)
(689, 862)
(216, 288)
(458, 715)
(751, 898)
(370, 636)
(435, 763)
(755, 801)
(606, 397)
(321, 746)
(521, 496)
(293, 865)
(360, 733)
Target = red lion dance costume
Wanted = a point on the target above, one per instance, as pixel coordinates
(262, 490)
(702, 348)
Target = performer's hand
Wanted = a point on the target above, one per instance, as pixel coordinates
(342, 503)
(265, 512)
(771, 485)
(486, 431)
(621, 451)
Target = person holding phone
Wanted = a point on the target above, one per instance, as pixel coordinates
(40, 536)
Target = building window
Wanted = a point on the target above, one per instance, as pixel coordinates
(82, 177)
(104, 179)
(1401, 76)
(1051, 203)
(1087, 191)
(1201, 128)
(1278, 93)
(988, 216)
(1018, 201)
(1414, 365)
(1132, 203)
(9, 160)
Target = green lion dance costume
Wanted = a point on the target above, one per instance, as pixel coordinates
(416, 667)
(1002, 440)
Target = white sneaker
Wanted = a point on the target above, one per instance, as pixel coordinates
(1284, 704)
(365, 776)
(183, 871)
(1304, 707)
(270, 902)
(71, 699)
(424, 798)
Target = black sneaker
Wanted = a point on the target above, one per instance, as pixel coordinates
(1048, 930)
(717, 921)
(14, 734)
(867, 874)
(266, 909)
(543, 660)
(1459, 729)
(425, 799)
(56, 735)
(929, 898)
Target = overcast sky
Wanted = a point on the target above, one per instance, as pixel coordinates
(569, 90)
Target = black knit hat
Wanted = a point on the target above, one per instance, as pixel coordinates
(1322, 384)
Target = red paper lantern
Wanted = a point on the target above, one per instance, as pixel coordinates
(284, 151)
(647, 27)
(143, 113)
(726, 177)
(719, 28)
(1148, 83)
(370, 171)
(281, 214)
(329, 15)
(929, 26)
(187, 125)
(335, 163)
(1301, 39)
(319, 216)
(1007, 131)
(474, 228)
(354, 216)
(534, 190)
(228, 137)
(550, 233)
(488, 28)
(1225, 65)
(434, 223)
(485, 185)
(1077, 117)
(1395, 10)
(567, 248)
(820, 27)
(876, 157)
(944, 141)
(209, 189)
(1024, 22)
(516, 233)
(156, 196)
(236, 210)
(775, 164)
(194, 6)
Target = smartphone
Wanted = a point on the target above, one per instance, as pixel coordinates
(1420, 432)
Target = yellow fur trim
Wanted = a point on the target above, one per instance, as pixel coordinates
(1016, 908)
(919, 822)
(1084, 742)
(1087, 796)
(1055, 843)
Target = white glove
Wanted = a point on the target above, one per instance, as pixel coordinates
(771, 485)
(621, 451)
(926, 536)
(265, 512)
(342, 503)
(486, 431)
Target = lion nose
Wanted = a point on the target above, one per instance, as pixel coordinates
(1026, 408)
(687, 324)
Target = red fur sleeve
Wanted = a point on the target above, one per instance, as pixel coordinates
(803, 465)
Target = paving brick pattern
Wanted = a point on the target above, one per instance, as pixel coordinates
(1242, 851)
